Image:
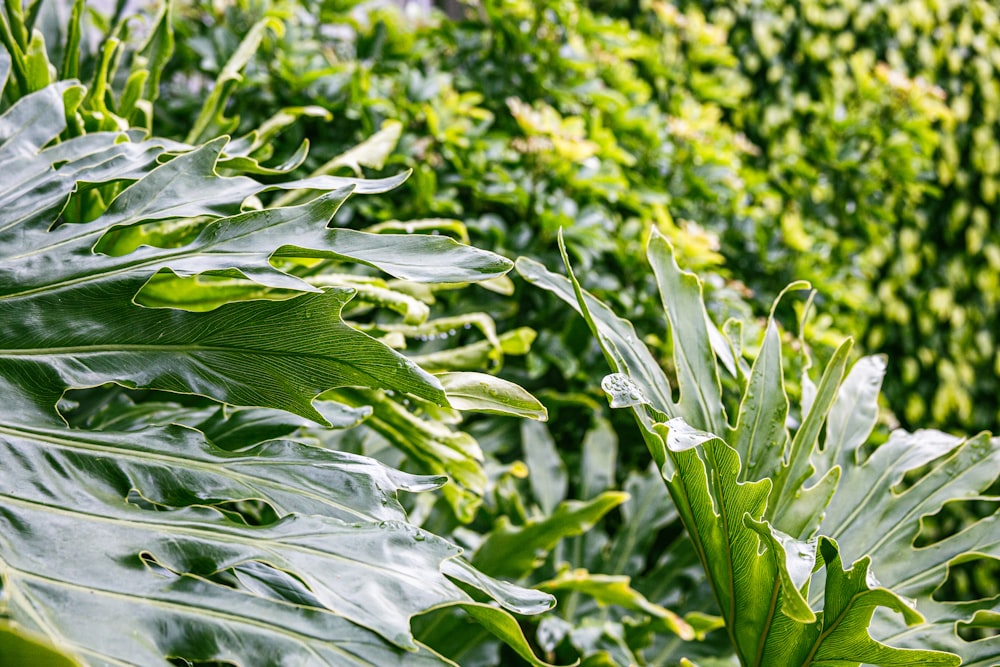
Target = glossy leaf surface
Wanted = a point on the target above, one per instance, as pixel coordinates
(787, 598)
(146, 540)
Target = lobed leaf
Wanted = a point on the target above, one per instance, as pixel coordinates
(142, 542)
(745, 508)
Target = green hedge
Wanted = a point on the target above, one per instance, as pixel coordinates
(878, 124)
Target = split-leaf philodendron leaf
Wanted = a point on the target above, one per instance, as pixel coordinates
(125, 545)
(808, 541)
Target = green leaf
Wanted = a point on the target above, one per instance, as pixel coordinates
(615, 590)
(152, 57)
(37, 62)
(617, 337)
(412, 257)
(372, 152)
(213, 109)
(509, 596)
(885, 526)
(694, 355)
(850, 602)
(505, 627)
(20, 648)
(647, 511)
(480, 392)
(430, 444)
(761, 575)
(261, 552)
(763, 410)
(600, 457)
(270, 354)
(309, 487)
(795, 509)
(512, 551)
(546, 470)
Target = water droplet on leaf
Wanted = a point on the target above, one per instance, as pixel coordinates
(622, 391)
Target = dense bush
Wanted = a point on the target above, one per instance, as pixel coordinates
(878, 127)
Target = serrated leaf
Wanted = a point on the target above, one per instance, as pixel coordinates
(193, 541)
(885, 528)
(850, 601)
(761, 575)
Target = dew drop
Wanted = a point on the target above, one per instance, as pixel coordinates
(681, 436)
(622, 391)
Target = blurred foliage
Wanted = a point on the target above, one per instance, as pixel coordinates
(522, 120)
(879, 129)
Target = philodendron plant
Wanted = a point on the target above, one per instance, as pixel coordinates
(171, 532)
(807, 536)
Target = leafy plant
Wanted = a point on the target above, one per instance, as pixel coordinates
(519, 120)
(167, 527)
(804, 533)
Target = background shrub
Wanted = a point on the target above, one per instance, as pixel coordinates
(878, 126)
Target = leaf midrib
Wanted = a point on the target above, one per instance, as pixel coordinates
(187, 348)
(772, 608)
(829, 630)
(714, 475)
